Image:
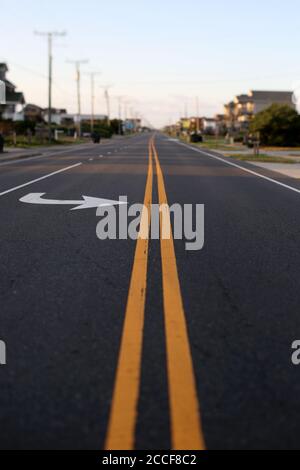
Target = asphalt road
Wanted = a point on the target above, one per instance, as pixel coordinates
(77, 329)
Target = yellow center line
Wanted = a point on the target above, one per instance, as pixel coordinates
(186, 431)
(123, 415)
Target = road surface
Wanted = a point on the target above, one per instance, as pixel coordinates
(125, 344)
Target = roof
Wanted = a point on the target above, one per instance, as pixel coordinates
(3, 70)
(229, 105)
(243, 99)
(15, 97)
(209, 119)
(55, 110)
(9, 85)
(271, 95)
(33, 106)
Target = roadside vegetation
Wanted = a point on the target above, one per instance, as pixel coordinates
(260, 158)
(216, 143)
(29, 134)
(278, 125)
(22, 142)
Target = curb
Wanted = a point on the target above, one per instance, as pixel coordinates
(18, 157)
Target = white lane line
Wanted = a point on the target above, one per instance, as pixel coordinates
(39, 179)
(291, 188)
(51, 153)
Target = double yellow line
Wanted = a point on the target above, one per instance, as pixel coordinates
(186, 432)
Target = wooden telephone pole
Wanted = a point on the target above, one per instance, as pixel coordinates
(50, 35)
(78, 81)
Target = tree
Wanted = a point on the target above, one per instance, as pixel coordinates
(277, 125)
(117, 126)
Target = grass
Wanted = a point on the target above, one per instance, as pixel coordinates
(218, 146)
(216, 143)
(280, 149)
(22, 142)
(260, 158)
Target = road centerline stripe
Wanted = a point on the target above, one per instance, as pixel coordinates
(123, 414)
(39, 179)
(186, 431)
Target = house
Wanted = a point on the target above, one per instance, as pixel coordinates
(261, 100)
(240, 111)
(195, 124)
(30, 112)
(221, 124)
(57, 115)
(209, 125)
(191, 125)
(2, 93)
(61, 117)
(14, 100)
(132, 125)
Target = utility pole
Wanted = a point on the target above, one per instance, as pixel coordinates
(198, 112)
(125, 115)
(125, 110)
(50, 35)
(78, 79)
(119, 98)
(106, 94)
(107, 99)
(92, 76)
(186, 112)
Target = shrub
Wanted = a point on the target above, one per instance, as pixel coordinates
(277, 125)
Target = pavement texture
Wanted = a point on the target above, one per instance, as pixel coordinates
(63, 296)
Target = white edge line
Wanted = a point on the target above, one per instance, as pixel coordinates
(242, 168)
(45, 154)
(39, 179)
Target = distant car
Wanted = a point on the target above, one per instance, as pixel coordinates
(195, 138)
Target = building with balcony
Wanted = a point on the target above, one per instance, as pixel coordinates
(14, 99)
(240, 111)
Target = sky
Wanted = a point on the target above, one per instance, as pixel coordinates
(159, 55)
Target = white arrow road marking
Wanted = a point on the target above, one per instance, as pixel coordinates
(86, 203)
